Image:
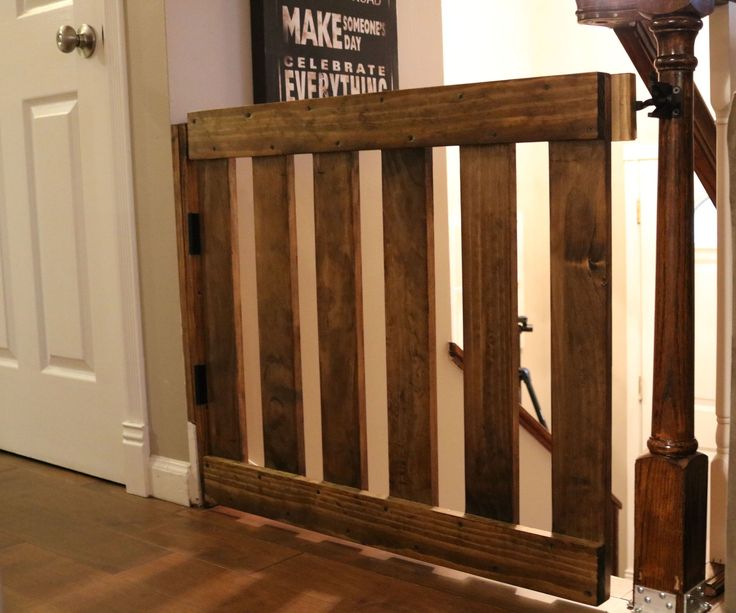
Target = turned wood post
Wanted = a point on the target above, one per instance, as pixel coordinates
(672, 480)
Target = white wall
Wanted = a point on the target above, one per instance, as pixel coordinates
(209, 53)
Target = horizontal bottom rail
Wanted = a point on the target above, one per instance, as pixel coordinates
(559, 565)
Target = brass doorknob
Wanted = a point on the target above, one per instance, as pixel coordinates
(83, 40)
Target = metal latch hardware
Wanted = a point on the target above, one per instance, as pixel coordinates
(666, 100)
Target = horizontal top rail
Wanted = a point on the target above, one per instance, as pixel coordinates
(587, 106)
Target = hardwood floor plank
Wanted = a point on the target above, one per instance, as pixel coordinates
(217, 545)
(80, 540)
(208, 587)
(22, 565)
(115, 595)
(357, 589)
(61, 560)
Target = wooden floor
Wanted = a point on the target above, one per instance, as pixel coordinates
(74, 543)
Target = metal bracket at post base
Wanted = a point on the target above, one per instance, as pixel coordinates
(666, 100)
(647, 600)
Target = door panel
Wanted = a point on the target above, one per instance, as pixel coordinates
(27, 8)
(56, 199)
(63, 385)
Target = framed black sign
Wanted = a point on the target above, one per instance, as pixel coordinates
(305, 49)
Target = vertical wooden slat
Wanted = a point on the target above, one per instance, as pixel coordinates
(190, 281)
(410, 323)
(340, 317)
(491, 336)
(580, 263)
(278, 313)
(211, 299)
(221, 306)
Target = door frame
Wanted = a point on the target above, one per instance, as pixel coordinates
(135, 435)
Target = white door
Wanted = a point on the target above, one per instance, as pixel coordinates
(64, 352)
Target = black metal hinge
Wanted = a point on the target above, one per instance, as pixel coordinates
(194, 233)
(666, 100)
(200, 384)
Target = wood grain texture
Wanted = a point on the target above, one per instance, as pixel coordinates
(672, 486)
(221, 301)
(559, 565)
(541, 109)
(641, 47)
(278, 313)
(190, 281)
(623, 114)
(340, 318)
(210, 289)
(580, 267)
(491, 331)
(408, 237)
(673, 386)
(670, 520)
(603, 12)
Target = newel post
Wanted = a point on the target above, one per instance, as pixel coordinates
(672, 480)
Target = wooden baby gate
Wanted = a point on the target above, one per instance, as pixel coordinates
(579, 116)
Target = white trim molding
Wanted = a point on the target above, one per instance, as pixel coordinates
(136, 453)
(171, 480)
(723, 83)
(136, 475)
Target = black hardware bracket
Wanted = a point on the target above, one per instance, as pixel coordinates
(194, 233)
(200, 384)
(666, 100)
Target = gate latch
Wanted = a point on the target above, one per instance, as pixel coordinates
(666, 100)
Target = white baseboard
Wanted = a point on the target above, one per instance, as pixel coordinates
(171, 480)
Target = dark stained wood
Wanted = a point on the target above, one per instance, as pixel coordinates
(641, 47)
(278, 313)
(670, 522)
(190, 282)
(544, 438)
(340, 318)
(457, 355)
(212, 319)
(545, 108)
(526, 419)
(221, 303)
(674, 312)
(675, 474)
(559, 565)
(603, 12)
(623, 96)
(491, 343)
(408, 238)
(580, 267)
